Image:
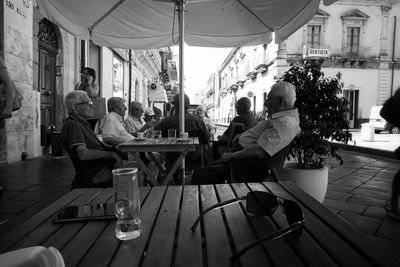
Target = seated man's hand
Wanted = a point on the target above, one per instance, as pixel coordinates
(118, 159)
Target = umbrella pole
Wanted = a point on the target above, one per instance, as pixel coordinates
(181, 15)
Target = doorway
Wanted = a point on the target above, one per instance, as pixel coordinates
(48, 49)
(352, 98)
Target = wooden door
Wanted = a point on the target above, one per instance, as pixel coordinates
(47, 66)
(352, 116)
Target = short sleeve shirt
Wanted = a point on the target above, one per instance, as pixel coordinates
(76, 131)
(112, 127)
(133, 124)
(274, 133)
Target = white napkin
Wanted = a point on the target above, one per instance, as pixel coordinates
(32, 257)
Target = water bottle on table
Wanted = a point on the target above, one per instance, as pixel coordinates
(127, 203)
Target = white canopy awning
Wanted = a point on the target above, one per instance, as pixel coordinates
(143, 24)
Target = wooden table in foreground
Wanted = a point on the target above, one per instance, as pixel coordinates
(167, 214)
(161, 145)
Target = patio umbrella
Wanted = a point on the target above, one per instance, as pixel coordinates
(143, 24)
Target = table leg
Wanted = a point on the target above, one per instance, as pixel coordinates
(174, 167)
(158, 164)
(145, 168)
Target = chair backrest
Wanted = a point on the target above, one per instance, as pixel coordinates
(71, 155)
(88, 171)
(276, 161)
(237, 128)
(248, 169)
(196, 158)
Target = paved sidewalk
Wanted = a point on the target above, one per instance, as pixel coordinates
(358, 190)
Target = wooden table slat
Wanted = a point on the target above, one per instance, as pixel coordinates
(242, 233)
(86, 198)
(160, 247)
(189, 244)
(167, 214)
(217, 241)
(106, 195)
(360, 242)
(104, 248)
(78, 246)
(331, 243)
(160, 146)
(311, 252)
(131, 252)
(284, 256)
(64, 235)
(163, 145)
(28, 226)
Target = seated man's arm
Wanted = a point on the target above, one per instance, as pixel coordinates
(84, 153)
(147, 126)
(250, 152)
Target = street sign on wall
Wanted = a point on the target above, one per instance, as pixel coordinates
(318, 52)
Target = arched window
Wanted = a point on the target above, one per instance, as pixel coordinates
(47, 35)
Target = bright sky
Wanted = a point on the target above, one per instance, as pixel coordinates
(199, 64)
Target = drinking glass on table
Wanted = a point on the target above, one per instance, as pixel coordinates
(127, 203)
(171, 134)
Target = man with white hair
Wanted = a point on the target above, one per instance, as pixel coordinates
(93, 160)
(135, 123)
(266, 138)
(112, 127)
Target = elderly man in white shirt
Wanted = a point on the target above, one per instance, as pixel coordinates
(112, 126)
(134, 123)
(266, 138)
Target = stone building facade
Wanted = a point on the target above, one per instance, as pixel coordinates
(45, 61)
(358, 38)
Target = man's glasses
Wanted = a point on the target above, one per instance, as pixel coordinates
(89, 103)
(264, 204)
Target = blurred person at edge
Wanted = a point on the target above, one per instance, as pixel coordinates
(95, 159)
(7, 92)
(393, 209)
(87, 83)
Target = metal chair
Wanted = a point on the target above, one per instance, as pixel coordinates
(75, 162)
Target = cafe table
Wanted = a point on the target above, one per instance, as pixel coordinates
(167, 214)
(160, 145)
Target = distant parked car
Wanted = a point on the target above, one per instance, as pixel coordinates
(379, 123)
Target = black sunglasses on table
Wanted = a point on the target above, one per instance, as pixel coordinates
(264, 204)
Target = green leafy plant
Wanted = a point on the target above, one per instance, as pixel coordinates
(322, 113)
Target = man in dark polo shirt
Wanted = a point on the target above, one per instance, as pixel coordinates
(92, 160)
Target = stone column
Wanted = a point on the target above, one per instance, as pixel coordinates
(384, 31)
(383, 74)
(281, 59)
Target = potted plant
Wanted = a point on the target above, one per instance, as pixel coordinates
(322, 113)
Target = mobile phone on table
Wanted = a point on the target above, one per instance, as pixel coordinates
(85, 213)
